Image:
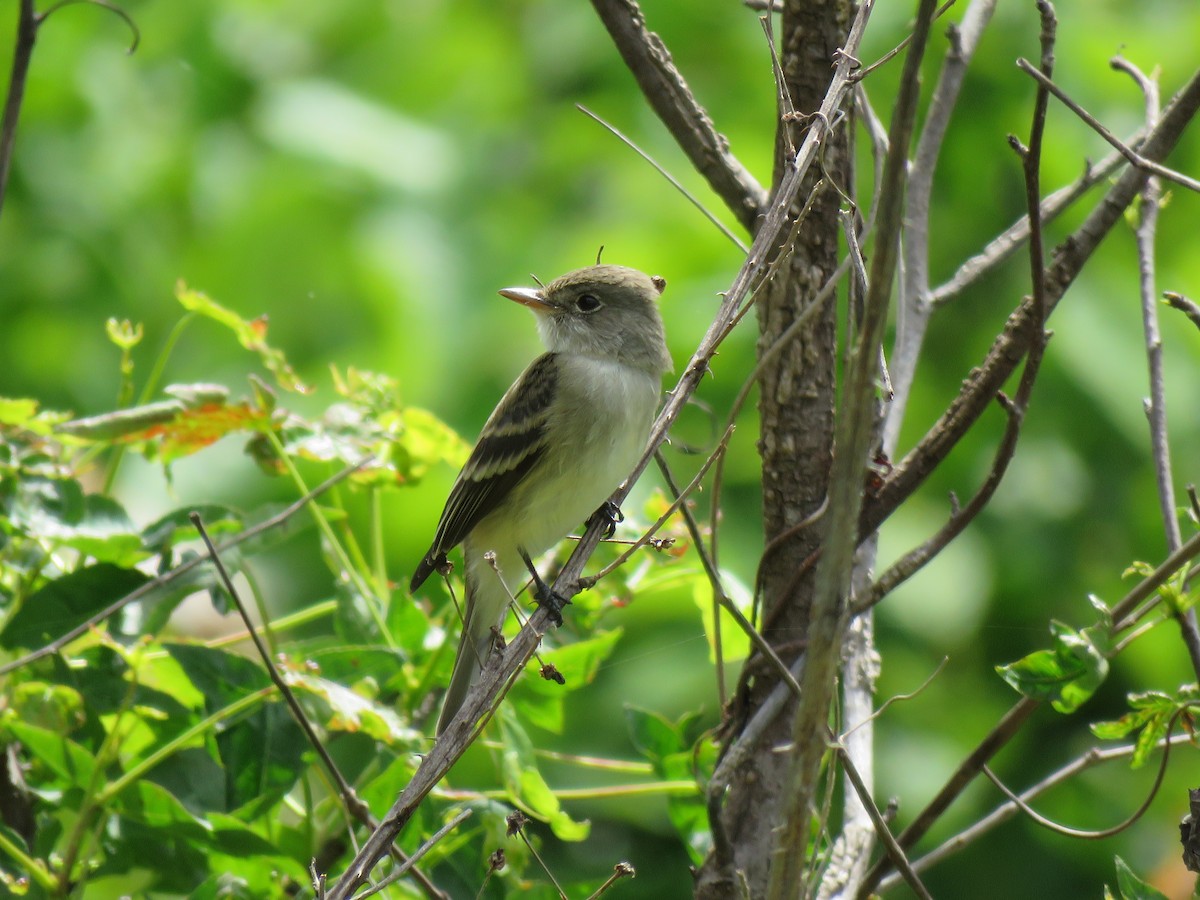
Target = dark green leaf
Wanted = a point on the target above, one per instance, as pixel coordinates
(262, 755)
(653, 735)
(220, 676)
(67, 602)
(176, 526)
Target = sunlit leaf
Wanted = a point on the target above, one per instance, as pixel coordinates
(525, 784)
(735, 644)
(70, 761)
(251, 334)
(17, 411)
(1066, 675)
(351, 712)
(1132, 887)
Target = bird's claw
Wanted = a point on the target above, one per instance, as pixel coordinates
(545, 596)
(609, 514)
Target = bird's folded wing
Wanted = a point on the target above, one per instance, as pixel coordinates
(512, 442)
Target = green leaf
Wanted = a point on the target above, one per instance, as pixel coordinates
(525, 785)
(67, 759)
(350, 712)
(1066, 675)
(104, 533)
(735, 644)
(55, 707)
(1132, 887)
(653, 735)
(17, 411)
(424, 441)
(67, 602)
(251, 334)
(540, 700)
(153, 805)
(263, 756)
(222, 677)
(1150, 716)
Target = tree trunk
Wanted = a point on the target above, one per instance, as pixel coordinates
(796, 406)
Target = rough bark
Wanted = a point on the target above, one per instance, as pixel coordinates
(796, 409)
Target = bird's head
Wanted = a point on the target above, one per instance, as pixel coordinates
(608, 312)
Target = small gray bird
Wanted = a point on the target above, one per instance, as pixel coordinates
(558, 444)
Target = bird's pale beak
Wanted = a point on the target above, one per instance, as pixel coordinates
(530, 297)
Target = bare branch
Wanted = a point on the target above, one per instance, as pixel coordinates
(179, 571)
(668, 94)
(1014, 341)
(894, 851)
(1007, 810)
(1156, 404)
(1184, 305)
(688, 195)
(913, 305)
(1137, 159)
(1010, 240)
(27, 26)
(854, 434)
(1000, 735)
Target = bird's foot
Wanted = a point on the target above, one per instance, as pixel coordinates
(544, 595)
(608, 515)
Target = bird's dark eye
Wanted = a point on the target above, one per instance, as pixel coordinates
(587, 303)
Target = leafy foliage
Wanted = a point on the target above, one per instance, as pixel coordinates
(132, 738)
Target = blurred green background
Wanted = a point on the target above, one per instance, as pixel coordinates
(368, 175)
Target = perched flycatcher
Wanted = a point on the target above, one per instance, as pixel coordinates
(558, 444)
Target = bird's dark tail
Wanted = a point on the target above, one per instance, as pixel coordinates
(472, 650)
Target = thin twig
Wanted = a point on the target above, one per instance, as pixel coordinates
(894, 851)
(913, 303)
(668, 94)
(179, 571)
(1008, 809)
(688, 195)
(26, 36)
(1135, 158)
(1003, 731)
(676, 504)
(1125, 612)
(1081, 833)
(895, 51)
(1184, 305)
(1008, 242)
(426, 846)
(898, 698)
(1156, 404)
(354, 804)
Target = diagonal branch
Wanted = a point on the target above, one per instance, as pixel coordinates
(1006, 352)
(648, 58)
(855, 429)
(502, 669)
(27, 26)
(1149, 165)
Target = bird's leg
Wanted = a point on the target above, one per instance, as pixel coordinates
(609, 514)
(543, 594)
